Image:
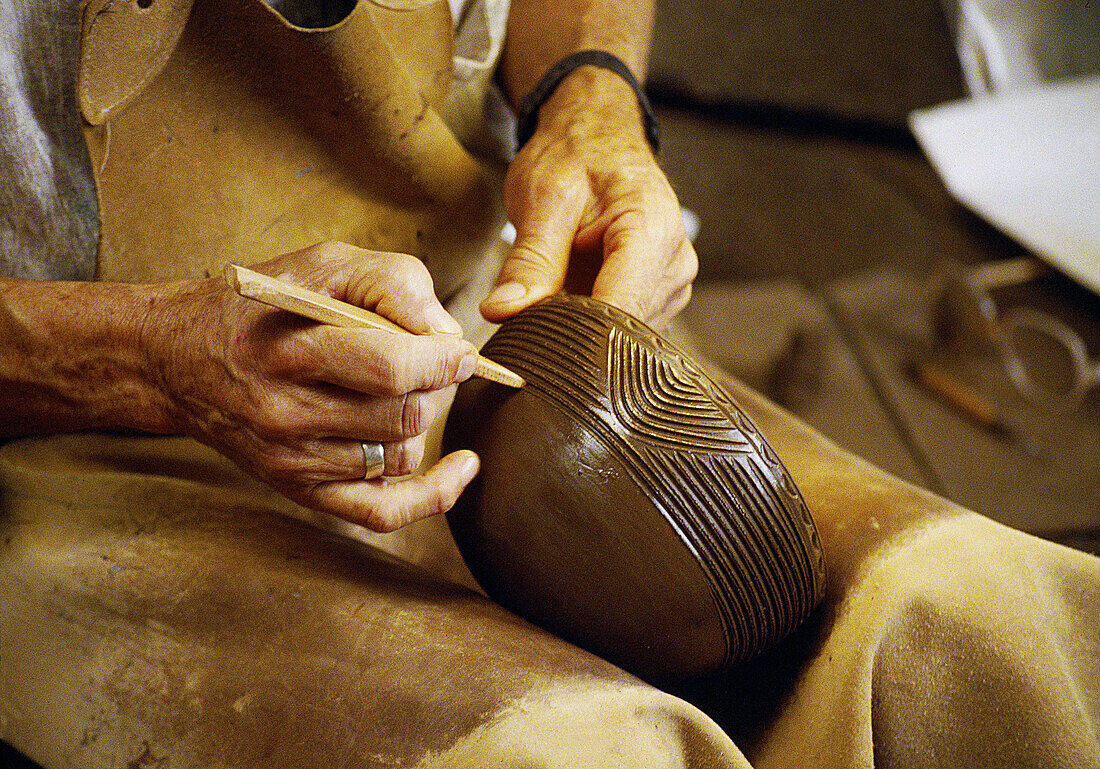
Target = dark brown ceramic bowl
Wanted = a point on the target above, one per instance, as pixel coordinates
(625, 502)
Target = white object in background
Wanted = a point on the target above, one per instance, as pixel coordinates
(1029, 163)
(692, 223)
(1005, 45)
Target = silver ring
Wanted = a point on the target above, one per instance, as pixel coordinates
(374, 460)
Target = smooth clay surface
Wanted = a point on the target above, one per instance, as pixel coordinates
(625, 502)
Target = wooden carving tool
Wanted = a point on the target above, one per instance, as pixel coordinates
(324, 309)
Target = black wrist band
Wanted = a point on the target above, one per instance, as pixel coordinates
(528, 117)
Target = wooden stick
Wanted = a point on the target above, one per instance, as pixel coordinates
(957, 393)
(324, 309)
(1008, 272)
(954, 392)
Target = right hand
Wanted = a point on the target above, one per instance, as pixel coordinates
(291, 401)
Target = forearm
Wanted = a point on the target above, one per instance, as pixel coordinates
(540, 32)
(71, 358)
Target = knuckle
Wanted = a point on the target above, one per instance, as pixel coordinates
(543, 185)
(416, 415)
(387, 371)
(426, 364)
(326, 247)
(452, 363)
(687, 263)
(307, 349)
(410, 276)
(390, 374)
(406, 456)
(553, 185)
(683, 300)
(529, 251)
(674, 307)
(281, 465)
(394, 418)
(384, 517)
(444, 500)
(297, 353)
(444, 365)
(314, 254)
(273, 417)
(387, 524)
(397, 458)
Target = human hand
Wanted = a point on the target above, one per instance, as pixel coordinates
(291, 401)
(593, 212)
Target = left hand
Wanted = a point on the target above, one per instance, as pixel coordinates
(593, 211)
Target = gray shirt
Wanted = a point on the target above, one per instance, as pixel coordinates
(48, 212)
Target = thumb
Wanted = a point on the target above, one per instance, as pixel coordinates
(536, 265)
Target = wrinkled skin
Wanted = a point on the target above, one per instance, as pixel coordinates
(593, 211)
(290, 400)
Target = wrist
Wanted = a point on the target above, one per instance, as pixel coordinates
(578, 96)
(162, 320)
(116, 330)
(593, 91)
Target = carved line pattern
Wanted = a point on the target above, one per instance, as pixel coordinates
(727, 562)
(553, 346)
(732, 548)
(742, 423)
(660, 405)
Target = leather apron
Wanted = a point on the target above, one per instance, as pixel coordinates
(221, 132)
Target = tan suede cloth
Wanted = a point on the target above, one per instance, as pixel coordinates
(157, 604)
(946, 639)
(158, 608)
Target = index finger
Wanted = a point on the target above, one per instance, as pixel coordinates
(399, 287)
(647, 272)
(381, 363)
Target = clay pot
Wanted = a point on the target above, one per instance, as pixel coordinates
(624, 502)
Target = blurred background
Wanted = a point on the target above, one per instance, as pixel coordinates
(831, 252)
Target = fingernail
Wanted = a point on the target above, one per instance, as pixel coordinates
(470, 468)
(441, 322)
(466, 365)
(506, 293)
